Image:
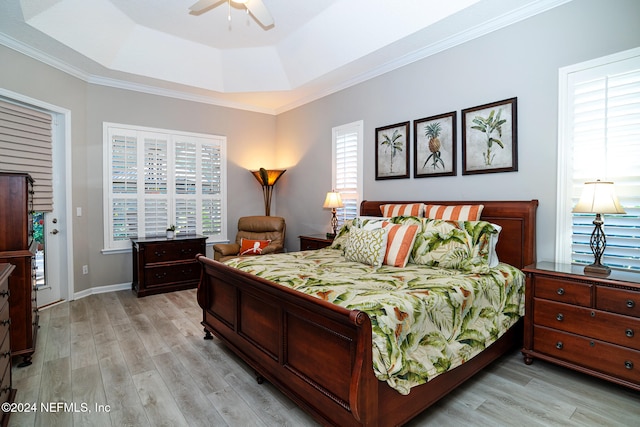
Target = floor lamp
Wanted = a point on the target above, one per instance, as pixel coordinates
(267, 179)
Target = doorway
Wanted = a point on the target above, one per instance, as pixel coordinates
(54, 259)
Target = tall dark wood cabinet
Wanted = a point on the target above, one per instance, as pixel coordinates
(17, 247)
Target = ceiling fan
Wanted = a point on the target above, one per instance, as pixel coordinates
(255, 7)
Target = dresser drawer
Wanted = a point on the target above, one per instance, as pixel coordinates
(609, 327)
(563, 290)
(161, 275)
(4, 321)
(618, 301)
(607, 358)
(163, 252)
(5, 388)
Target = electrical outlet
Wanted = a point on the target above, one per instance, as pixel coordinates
(85, 269)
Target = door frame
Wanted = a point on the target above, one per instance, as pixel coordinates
(63, 117)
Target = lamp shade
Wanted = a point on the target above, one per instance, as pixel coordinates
(268, 177)
(598, 197)
(333, 200)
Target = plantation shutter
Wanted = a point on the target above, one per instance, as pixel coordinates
(347, 167)
(123, 185)
(159, 178)
(605, 117)
(156, 184)
(25, 146)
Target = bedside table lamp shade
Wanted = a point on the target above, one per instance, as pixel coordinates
(267, 179)
(598, 197)
(333, 201)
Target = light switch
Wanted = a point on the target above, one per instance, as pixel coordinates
(78, 211)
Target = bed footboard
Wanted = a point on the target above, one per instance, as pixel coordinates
(317, 353)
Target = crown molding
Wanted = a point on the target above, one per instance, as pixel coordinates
(499, 22)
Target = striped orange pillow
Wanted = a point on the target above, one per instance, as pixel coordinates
(409, 209)
(400, 240)
(454, 212)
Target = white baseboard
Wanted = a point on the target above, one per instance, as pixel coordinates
(101, 290)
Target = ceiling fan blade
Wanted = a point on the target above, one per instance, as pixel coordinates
(201, 5)
(260, 12)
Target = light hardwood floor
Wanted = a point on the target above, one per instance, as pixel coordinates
(146, 359)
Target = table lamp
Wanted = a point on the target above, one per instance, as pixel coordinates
(333, 201)
(598, 197)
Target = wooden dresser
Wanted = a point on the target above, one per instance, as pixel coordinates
(586, 323)
(314, 241)
(164, 265)
(17, 247)
(7, 392)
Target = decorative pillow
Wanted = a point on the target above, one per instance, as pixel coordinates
(400, 240)
(460, 245)
(252, 247)
(368, 222)
(454, 212)
(493, 255)
(411, 209)
(367, 246)
(342, 237)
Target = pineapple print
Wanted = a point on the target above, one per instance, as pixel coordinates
(432, 131)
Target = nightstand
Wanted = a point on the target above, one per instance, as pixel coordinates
(314, 241)
(587, 323)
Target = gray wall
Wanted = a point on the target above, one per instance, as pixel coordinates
(519, 61)
(250, 144)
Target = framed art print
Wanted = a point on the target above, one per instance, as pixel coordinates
(490, 138)
(434, 146)
(392, 151)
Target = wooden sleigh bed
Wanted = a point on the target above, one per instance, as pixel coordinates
(320, 354)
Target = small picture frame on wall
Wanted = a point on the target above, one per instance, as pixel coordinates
(392, 151)
(434, 146)
(490, 138)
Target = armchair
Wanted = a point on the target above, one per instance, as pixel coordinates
(254, 228)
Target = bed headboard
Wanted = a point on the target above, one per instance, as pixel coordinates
(517, 243)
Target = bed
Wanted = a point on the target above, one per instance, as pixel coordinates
(320, 354)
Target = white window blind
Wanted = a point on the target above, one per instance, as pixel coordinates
(347, 168)
(603, 142)
(157, 178)
(25, 146)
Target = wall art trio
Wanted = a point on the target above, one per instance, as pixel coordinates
(489, 143)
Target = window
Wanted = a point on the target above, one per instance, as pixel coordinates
(347, 168)
(599, 138)
(155, 178)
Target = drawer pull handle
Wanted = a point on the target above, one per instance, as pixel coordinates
(630, 303)
(5, 322)
(559, 345)
(629, 333)
(160, 275)
(560, 291)
(5, 354)
(628, 364)
(560, 317)
(158, 253)
(5, 293)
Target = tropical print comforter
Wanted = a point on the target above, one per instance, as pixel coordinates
(425, 320)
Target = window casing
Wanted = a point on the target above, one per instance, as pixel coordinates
(155, 178)
(347, 153)
(599, 138)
